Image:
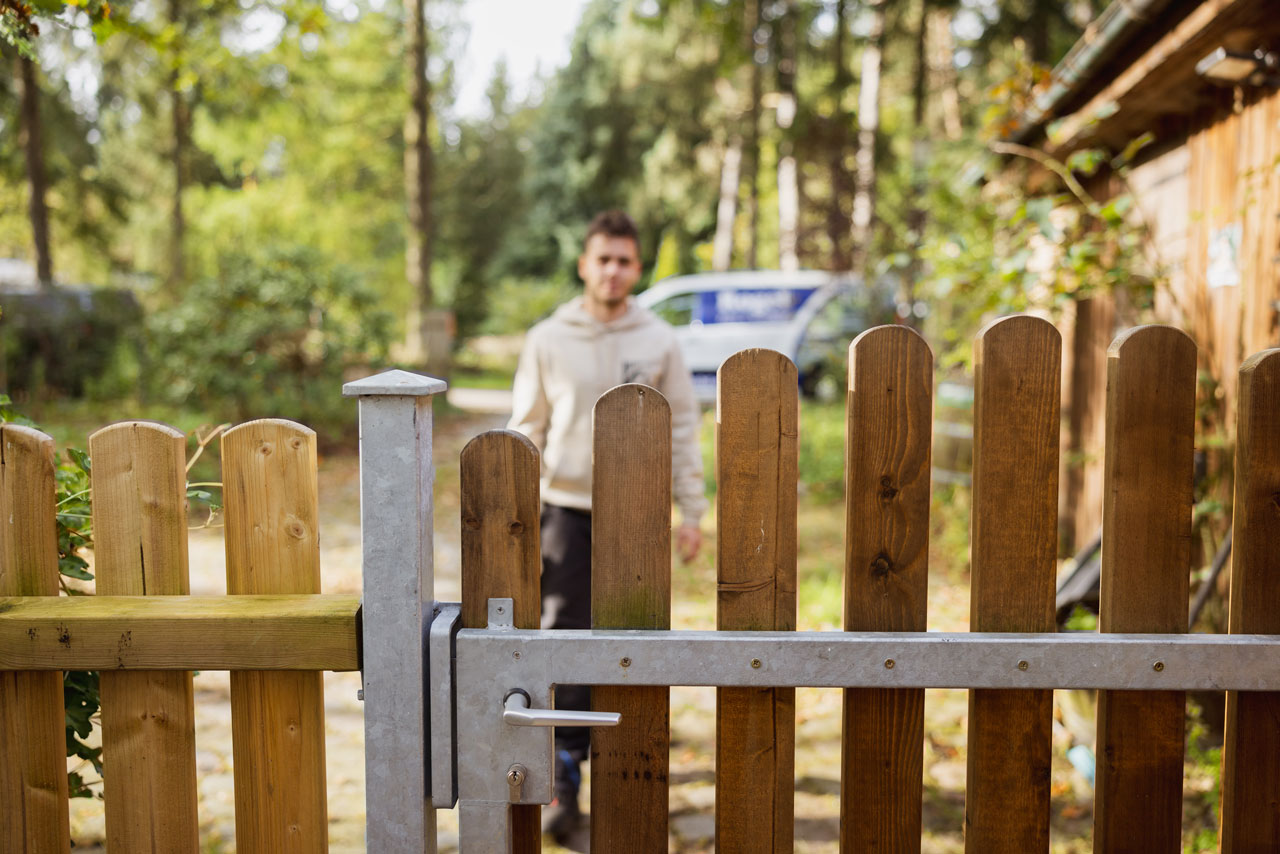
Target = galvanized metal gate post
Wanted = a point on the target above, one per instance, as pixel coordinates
(396, 478)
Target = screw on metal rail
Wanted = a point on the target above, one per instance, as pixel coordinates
(755, 662)
(1023, 665)
(626, 662)
(889, 663)
(516, 654)
(1158, 666)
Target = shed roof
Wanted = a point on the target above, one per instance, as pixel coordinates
(1133, 71)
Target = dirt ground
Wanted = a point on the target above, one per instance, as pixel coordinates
(692, 709)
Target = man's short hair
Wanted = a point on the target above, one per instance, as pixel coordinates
(613, 223)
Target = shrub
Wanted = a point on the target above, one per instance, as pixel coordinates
(271, 336)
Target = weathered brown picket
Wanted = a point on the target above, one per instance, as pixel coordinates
(276, 632)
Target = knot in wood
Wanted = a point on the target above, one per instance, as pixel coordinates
(881, 566)
(471, 523)
(887, 490)
(515, 528)
(265, 449)
(295, 443)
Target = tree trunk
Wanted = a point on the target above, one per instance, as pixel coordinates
(916, 216)
(31, 142)
(788, 190)
(837, 220)
(178, 156)
(417, 183)
(727, 209)
(944, 50)
(868, 131)
(752, 168)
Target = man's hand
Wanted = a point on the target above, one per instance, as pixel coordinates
(688, 541)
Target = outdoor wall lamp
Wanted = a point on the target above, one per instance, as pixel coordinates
(1238, 68)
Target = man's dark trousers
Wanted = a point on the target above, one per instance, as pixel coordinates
(566, 604)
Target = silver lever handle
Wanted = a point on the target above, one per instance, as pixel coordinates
(516, 712)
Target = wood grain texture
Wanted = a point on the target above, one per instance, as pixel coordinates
(887, 453)
(282, 632)
(757, 469)
(1017, 408)
(1146, 561)
(502, 557)
(1251, 750)
(148, 716)
(277, 719)
(33, 770)
(631, 589)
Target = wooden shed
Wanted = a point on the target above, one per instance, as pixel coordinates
(1202, 79)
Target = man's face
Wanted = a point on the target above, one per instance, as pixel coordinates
(609, 267)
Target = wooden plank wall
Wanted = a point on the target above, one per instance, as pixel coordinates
(1230, 177)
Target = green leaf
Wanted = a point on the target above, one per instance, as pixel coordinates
(80, 458)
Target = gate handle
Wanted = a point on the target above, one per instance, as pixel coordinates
(516, 712)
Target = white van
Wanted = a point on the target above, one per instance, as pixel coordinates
(809, 316)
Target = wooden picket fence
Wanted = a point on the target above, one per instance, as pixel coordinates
(1146, 565)
(275, 632)
(146, 635)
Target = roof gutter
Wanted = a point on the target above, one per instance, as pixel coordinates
(1102, 39)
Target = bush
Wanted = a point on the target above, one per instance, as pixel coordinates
(271, 336)
(57, 342)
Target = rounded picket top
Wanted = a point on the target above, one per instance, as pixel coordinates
(26, 440)
(500, 438)
(889, 351)
(135, 427)
(1264, 363)
(140, 508)
(1017, 333)
(756, 371)
(28, 507)
(1158, 342)
(631, 401)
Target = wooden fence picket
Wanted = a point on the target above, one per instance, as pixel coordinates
(887, 452)
(1017, 379)
(631, 589)
(756, 471)
(501, 556)
(1146, 561)
(33, 771)
(1251, 749)
(148, 716)
(277, 718)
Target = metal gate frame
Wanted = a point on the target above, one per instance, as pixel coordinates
(462, 716)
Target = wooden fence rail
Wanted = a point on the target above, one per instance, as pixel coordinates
(276, 632)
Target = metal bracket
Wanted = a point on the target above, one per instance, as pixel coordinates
(442, 736)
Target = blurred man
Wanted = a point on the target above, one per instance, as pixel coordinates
(588, 346)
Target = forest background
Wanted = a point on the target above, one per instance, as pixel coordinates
(210, 157)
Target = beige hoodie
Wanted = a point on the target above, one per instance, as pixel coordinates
(569, 360)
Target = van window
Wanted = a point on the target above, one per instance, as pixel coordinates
(676, 310)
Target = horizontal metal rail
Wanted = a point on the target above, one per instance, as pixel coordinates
(263, 632)
(516, 658)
